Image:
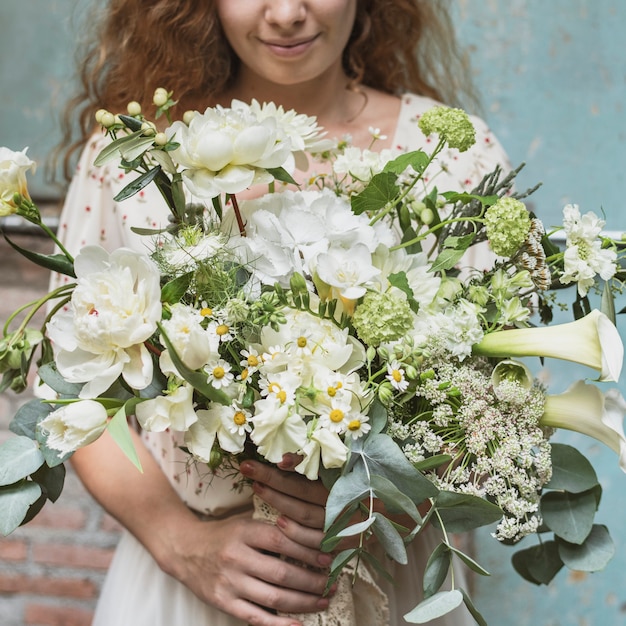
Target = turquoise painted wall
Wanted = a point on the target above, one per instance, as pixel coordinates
(552, 74)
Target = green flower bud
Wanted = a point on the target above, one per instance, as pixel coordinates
(160, 97)
(188, 116)
(133, 108)
(160, 139)
(107, 119)
(385, 393)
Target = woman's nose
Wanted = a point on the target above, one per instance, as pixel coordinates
(285, 13)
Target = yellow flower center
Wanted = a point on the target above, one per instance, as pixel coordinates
(206, 311)
(301, 342)
(354, 425)
(253, 361)
(282, 396)
(222, 329)
(396, 375)
(336, 415)
(239, 418)
(332, 391)
(218, 372)
(244, 374)
(274, 388)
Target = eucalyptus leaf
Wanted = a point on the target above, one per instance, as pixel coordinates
(607, 304)
(20, 457)
(15, 500)
(538, 564)
(394, 500)
(436, 570)
(356, 529)
(51, 480)
(470, 562)
(571, 471)
(331, 540)
(389, 539)
(379, 192)
(478, 618)
(119, 431)
(350, 488)
(50, 375)
(462, 512)
(435, 606)
(27, 417)
(592, 555)
(569, 515)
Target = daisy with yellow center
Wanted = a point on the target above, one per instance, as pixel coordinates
(337, 417)
(281, 386)
(221, 330)
(395, 375)
(251, 360)
(220, 375)
(239, 423)
(358, 426)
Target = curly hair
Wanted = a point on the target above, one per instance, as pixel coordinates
(133, 46)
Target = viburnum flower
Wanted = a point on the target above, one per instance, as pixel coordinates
(114, 309)
(13, 168)
(452, 125)
(74, 425)
(584, 256)
(507, 223)
(382, 317)
(174, 409)
(228, 150)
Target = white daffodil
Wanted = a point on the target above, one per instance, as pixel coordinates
(190, 340)
(13, 168)
(74, 425)
(347, 271)
(585, 409)
(592, 341)
(277, 430)
(323, 444)
(114, 309)
(172, 410)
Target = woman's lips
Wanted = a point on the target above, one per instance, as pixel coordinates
(289, 48)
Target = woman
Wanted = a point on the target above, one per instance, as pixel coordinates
(193, 554)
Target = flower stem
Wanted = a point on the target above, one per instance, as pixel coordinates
(242, 226)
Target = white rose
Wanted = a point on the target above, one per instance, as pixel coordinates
(13, 168)
(74, 425)
(174, 410)
(114, 309)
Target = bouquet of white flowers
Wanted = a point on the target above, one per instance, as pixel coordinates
(330, 321)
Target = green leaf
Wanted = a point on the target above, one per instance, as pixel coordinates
(175, 289)
(571, 471)
(331, 540)
(390, 539)
(19, 457)
(462, 512)
(434, 607)
(28, 416)
(131, 122)
(379, 192)
(118, 428)
(436, 570)
(197, 380)
(400, 281)
(51, 480)
(592, 555)
(131, 150)
(432, 462)
(137, 185)
(538, 564)
(148, 232)
(478, 618)
(473, 565)
(607, 304)
(112, 151)
(394, 500)
(447, 259)
(15, 500)
(417, 159)
(49, 374)
(281, 174)
(347, 489)
(356, 529)
(53, 262)
(569, 515)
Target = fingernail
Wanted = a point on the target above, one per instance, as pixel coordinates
(323, 603)
(247, 469)
(324, 560)
(287, 462)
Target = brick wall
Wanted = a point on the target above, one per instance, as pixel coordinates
(51, 570)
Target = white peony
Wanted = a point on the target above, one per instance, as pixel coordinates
(13, 168)
(74, 425)
(228, 150)
(114, 309)
(173, 410)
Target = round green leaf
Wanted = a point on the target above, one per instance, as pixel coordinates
(538, 564)
(594, 553)
(19, 457)
(434, 607)
(14, 504)
(569, 515)
(436, 569)
(571, 471)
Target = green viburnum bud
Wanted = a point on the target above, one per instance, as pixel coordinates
(478, 294)
(13, 346)
(507, 223)
(452, 125)
(385, 393)
(237, 310)
(382, 317)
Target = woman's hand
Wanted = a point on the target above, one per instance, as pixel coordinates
(233, 564)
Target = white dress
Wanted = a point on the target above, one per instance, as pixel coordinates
(136, 591)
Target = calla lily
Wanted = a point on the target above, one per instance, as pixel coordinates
(510, 371)
(585, 409)
(592, 341)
